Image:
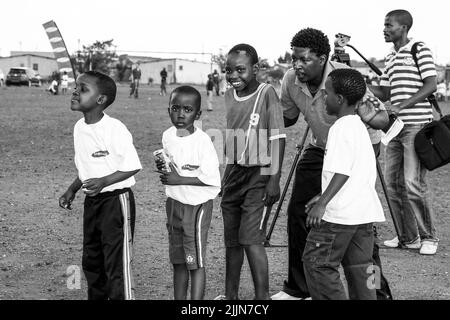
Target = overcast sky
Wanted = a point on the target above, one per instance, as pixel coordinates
(208, 26)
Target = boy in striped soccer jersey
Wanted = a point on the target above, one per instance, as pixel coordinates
(251, 183)
(407, 87)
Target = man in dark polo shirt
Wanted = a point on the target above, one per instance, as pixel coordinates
(303, 91)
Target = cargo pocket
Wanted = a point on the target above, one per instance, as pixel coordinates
(318, 248)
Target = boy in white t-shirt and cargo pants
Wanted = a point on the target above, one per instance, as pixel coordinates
(342, 216)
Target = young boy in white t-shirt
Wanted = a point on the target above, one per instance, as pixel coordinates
(192, 182)
(107, 161)
(342, 216)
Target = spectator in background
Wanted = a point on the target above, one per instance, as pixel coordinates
(223, 83)
(135, 79)
(209, 91)
(64, 82)
(216, 80)
(2, 78)
(441, 93)
(163, 75)
(53, 89)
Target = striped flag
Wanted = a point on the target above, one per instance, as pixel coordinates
(59, 49)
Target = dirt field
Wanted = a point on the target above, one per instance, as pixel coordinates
(39, 241)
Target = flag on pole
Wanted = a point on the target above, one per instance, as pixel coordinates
(60, 50)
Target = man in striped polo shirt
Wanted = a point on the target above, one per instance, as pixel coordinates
(407, 86)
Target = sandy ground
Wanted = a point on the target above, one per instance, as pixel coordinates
(39, 241)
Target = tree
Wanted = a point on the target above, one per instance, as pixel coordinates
(220, 59)
(98, 56)
(124, 66)
(286, 59)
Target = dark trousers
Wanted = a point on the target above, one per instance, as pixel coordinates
(108, 228)
(330, 245)
(307, 184)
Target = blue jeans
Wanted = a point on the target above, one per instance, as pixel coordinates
(407, 189)
(326, 248)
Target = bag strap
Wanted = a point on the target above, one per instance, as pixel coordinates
(431, 98)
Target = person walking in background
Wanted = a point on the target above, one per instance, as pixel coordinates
(64, 82)
(216, 80)
(163, 75)
(135, 80)
(209, 92)
(223, 82)
(408, 85)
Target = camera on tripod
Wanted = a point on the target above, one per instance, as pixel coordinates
(339, 54)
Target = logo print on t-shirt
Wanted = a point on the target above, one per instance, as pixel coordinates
(408, 61)
(100, 154)
(254, 119)
(189, 167)
(189, 259)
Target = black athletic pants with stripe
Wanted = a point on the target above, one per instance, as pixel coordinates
(108, 230)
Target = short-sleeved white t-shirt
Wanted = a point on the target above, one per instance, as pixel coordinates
(194, 156)
(350, 152)
(103, 148)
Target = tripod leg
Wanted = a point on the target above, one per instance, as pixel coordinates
(286, 187)
(383, 184)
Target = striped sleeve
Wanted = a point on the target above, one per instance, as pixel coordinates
(425, 61)
(384, 79)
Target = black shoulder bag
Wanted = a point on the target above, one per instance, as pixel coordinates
(432, 142)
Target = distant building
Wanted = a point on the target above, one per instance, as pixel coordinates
(41, 62)
(178, 70)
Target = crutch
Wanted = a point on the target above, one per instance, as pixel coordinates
(286, 187)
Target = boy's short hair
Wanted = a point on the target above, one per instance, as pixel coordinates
(349, 83)
(248, 49)
(188, 90)
(313, 39)
(106, 86)
(403, 17)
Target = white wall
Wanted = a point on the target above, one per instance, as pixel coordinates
(153, 68)
(45, 66)
(191, 71)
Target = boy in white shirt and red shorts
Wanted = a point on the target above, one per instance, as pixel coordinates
(192, 179)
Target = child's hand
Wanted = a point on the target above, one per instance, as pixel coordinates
(315, 210)
(65, 201)
(272, 192)
(160, 165)
(311, 203)
(170, 178)
(92, 187)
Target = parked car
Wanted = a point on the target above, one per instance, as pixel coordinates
(23, 76)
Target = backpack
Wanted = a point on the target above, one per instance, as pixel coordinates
(432, 142)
